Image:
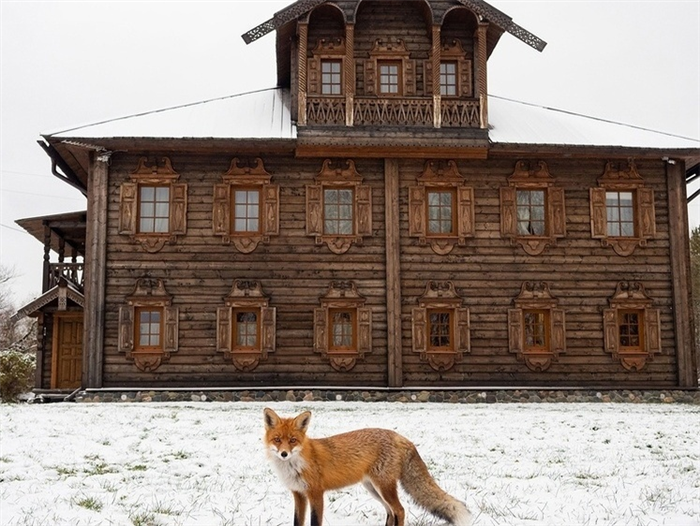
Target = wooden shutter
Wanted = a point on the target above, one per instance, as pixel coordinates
(416, 212)
(178, 209)
(409, 78)
(370, 77)
(515, 330)
(171, 322)
(419, 330)
(314, 210)
(465, 199)
(652, 321)
(314, 76)
(221, 217)
(558, 212)
(364, 331)
(647, 215)
(610, 330)
(223, 329)
(509, 211)
(126, 328)
(268, 328)
(466, 84)
(558, 331)
(128, 204)
(363, 198)
(271, 221)
(320, 328)
(599, 214)
(463, 330)
(428, 77)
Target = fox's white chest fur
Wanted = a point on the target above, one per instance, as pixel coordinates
(289, 469)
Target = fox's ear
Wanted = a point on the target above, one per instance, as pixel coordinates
(302, 421)
(271, 418)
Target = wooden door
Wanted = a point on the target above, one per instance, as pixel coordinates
(67, 363)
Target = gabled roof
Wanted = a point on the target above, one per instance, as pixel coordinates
(64, 290)
(483, 9)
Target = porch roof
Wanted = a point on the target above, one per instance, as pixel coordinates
(69, 226)
(63, 290)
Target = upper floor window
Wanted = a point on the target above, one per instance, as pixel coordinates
(441, 210)
(154, 209)
(246, 210)
(620, 213)
(389, 71)
(338, 211)
(390, 80)
(331, 77)
(448, 79)
(531, 212)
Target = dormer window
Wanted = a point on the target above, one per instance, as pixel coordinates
(390, 78)
(448, 79)
(331, 77)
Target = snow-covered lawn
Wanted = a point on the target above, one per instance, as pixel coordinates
(203, 464)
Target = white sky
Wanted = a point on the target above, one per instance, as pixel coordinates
(70, 63)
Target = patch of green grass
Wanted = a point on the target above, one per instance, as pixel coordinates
(89, 503)
(138, 467)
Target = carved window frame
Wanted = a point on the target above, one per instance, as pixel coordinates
(246, 177)
(148, 294)
(536, 297)
(159, 174)
(623, 178)
(632, 297)
(326, 50)
(436, 176)
(533, 176)
(453, 51)
(343, 296)
(246, 295)
(392, 50)
(339, 178)
(441, 297)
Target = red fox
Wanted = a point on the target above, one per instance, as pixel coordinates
(378, 458)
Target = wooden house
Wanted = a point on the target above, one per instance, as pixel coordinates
(376, 220)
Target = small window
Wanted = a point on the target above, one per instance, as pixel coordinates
(338, 205)
(620, 213)
(343, 329)
(246, 329)
(448, 79)
(246, 216)
(536, 325)
(150, 328)
(331, 77)
(154, 209)
(531, 210)
(390, 78)
(631, 329)
(440, 330)
(441, 211)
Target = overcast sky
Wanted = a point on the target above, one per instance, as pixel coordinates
(72, 63)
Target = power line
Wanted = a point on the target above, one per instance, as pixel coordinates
(13, 228)
(41, 195)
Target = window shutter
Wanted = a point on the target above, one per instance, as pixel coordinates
(171, 329)
(178, 209)
(128, 203)
(409, 78)
(314, 210)
(417, 220)
(419, 330)
(370, 77)
(126, 328)
(647, 219)
(364, 210)
(558, 212)
(652, 319)
(320, 327)
(508, 211)
(610, 330)
(463, 328)
(428, 77)
(465, 78)
(221, 218)
(558, 331)
(271, 221)
(223, 329)
(314, 76)
(599, 214)
(364, 331)
(268, 328)
(515, 330)
(465, 197)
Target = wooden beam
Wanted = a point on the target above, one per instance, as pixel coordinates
(393, 273)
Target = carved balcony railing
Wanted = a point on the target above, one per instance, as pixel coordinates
(325, 111)
(460, 114)
(396, 112)
(72, 272)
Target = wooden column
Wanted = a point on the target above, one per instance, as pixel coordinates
(393, 273)
(436, 59)
(95, 271)
(349, 73)
(680, 268)
(482, 84)
(303, 65)
(47, 258)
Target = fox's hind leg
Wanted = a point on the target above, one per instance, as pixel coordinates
(390, 520)
(388, 495)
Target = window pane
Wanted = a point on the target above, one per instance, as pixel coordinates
(439, 332)
(440, 212)
(149, 323)
(531, 212)
(246, 329)
(342, 329)
(620, 213)
(535, 324)
(154, 209)
(338, 207)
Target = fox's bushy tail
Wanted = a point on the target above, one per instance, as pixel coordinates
(420, 485)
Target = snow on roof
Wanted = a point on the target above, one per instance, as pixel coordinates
(266, 114)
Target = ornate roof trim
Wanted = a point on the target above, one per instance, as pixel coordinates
(50, 295)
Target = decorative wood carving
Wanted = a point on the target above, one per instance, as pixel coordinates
(443, 296)
(343, 295)
(451, 50)
(160, 173)
(246, 294)
(331, 48)
(440, 175)
(533, 176)
(536, 296)
(148, 292)
(338, 176)
(631, 296)
(393, 112)
(393, 49)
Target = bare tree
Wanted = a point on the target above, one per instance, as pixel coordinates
(14, 334)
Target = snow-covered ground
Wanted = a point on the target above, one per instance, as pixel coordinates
(203, 464)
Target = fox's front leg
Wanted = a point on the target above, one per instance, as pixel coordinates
(316, 503)
(299, 508)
